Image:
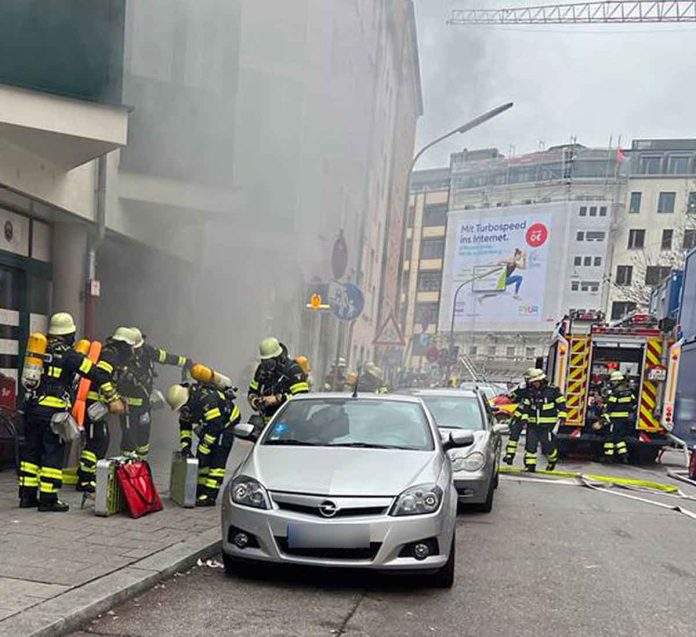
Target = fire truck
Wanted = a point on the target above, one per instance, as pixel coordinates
(585, 350)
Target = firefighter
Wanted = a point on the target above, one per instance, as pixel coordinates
(303, 362)
(114, 359)
(336, 378)
(372, 379)
(541, 410)
(277, 378)
(619, 409)
(42, 459)
(516, 425)
(137, 386)
(213, 414)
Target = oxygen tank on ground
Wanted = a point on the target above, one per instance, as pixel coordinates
(209, 376)
(34, 360)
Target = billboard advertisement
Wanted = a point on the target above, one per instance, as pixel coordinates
(500, 265)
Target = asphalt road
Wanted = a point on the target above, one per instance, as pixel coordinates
(550, 560)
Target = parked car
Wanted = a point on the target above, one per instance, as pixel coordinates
(343, 481)
(476, 468)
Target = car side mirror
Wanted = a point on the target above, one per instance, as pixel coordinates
(501, 429)
(458, 439)
(245, 431)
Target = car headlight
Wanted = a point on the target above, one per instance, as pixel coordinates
(473, 462)
(249, 492)
(424, 498)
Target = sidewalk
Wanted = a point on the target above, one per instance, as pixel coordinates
(59, 569)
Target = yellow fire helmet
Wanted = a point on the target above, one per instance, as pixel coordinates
(536, 376)
(617, 377)
(303, 362)
(61, 324)
(177, 397)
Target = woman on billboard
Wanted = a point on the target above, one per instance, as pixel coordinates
(508, 277)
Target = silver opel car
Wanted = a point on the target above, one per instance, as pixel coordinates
(475, 469)
(345, 481)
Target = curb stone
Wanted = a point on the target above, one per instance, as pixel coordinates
(69, 610)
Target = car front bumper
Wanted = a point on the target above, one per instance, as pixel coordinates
(472, 486)
(388, 537)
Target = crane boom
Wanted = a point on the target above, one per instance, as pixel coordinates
(610, 12)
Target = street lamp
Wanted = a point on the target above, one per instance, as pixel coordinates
(477, 121)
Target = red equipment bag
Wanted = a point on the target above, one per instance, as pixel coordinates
(138, 489)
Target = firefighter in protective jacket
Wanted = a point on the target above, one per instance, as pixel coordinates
(211, 414)
(136, 385)
(277, 378)
(518, 394)
(541, 410)
(114, 359)
(42, 458)
(619, 410)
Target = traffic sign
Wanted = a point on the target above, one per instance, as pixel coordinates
(389, 333)
(346, 300)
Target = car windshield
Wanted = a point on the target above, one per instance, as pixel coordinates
(457, 412)
(352, 422)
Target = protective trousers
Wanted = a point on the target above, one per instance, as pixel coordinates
(615, 446)
(212, 453)
(41, 460)
(135, 431)
(96, 446)
(540, 435)
(516, 427)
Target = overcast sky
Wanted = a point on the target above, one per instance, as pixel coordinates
(589, 82)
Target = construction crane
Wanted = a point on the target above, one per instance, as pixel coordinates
(610, 12)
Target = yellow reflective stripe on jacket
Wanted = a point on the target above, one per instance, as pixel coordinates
(182, 361)
(542, 420)
(212, 413)
(299, 387)
(253, 385)
(94, 396)
(619, 414)
(135, 402)
(86, 365)
(235, 413)
(106, 366)
(161, 355)
(209, 439)
(52, 401)
(625, 399)
(54, 372)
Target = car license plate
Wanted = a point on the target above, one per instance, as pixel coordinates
(328, 536)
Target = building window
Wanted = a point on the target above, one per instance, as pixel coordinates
(624, 274)
(654, 274)
(650, 165)
(529, 352)
(473, 350)
(580, 236)
(425, 314)
(587, 261)
(597, 261)
(667, 235)
(429, 281)
(432, 249)
(589, 286)
(593, 211)
(594, 236)
(636, 239)
(678, 165)
(665, 203)
(435, 215)
(583, 211)
(574, 286)
(634, 205)
(577, 261)
(603, 211)
(689, 239)
(510, 351)
(691, 204)
(619, 309)
(490, 350)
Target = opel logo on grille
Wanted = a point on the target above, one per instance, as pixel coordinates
(328, 509)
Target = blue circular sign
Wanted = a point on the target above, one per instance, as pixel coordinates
(346, 300)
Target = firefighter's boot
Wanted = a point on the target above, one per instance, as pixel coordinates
(552, 460)
(206, 498)
(530, 461)
(53, 506)
(510, 451)
(86, 486)
(28, 502)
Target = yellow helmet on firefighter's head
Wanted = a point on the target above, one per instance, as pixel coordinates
(177, 397)
(270, 348)
(351, 379)
(536, 376)
(61, 324)
(125, 335)
(617, 377)
(139, 338)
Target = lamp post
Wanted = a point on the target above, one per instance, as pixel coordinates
(477, 121)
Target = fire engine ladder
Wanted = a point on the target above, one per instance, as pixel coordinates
(576, 388)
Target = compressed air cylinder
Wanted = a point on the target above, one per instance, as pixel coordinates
(204, 374)
(34, 360)
(82, 346)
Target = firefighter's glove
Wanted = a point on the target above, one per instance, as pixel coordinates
(272, 401)
(597, 425)
(255, 401)
(508, 458)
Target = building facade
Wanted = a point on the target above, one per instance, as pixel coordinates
(657, 223)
